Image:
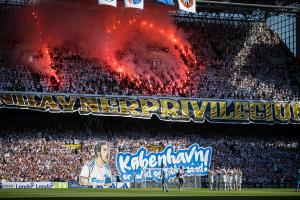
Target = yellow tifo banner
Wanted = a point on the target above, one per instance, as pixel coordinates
(165, 108)
(73, 146)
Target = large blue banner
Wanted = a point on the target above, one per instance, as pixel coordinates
(142, 166)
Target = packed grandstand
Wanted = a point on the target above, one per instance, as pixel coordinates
(43, 150)
(244, 61)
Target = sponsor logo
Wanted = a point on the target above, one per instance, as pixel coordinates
(34, 185)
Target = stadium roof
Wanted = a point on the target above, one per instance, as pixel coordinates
(265, 2)
(86, 2)
(239, 6)
(262, 2)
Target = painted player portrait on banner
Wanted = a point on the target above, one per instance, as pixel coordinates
(97, 171)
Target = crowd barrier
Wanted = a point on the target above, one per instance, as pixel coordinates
(13, 185)
(57, 185)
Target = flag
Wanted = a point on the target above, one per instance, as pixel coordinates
(167, 2)
(187, 5)
(134, 4)
(108, 2)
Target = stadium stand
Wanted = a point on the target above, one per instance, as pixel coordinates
(246, 61)
(33, 151)
(233, 61)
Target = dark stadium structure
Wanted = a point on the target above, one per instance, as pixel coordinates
(228, 50)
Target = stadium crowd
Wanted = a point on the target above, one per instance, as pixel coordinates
(43, 152)
(246, 61)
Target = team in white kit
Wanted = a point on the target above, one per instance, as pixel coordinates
(222, 179)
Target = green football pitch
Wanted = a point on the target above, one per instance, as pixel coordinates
(154, 193)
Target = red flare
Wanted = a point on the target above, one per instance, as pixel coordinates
(120, 70)
(178, 45)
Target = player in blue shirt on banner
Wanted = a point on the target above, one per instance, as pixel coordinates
(97, 171)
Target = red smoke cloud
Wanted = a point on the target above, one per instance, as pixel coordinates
(142, 44)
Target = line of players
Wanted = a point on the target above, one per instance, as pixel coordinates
(222, 179)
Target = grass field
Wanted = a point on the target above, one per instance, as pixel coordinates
(154, 193)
